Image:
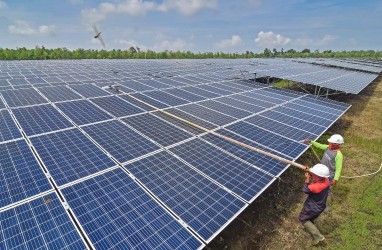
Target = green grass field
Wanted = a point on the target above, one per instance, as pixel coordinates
(355, 220)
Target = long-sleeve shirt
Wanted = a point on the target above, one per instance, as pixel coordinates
(332, 159)
(318, 194)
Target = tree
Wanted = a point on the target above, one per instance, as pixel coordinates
(267, 52)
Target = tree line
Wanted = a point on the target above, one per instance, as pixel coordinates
(42, 53)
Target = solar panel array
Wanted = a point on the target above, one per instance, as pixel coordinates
(83, 166)
(345, 77)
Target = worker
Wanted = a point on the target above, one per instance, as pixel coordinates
(332, 157)
(317, 187)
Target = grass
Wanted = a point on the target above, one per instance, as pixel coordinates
(355, 220)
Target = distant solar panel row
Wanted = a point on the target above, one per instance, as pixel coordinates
(105, 171)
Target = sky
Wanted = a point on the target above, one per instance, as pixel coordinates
(193, 25)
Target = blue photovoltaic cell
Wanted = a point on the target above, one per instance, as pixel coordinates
(246, 181)
(157, 129)
(257, 102)
(269, 139)
(18, 81)
(83, 112)
(146, 99)
(314, 100)
(36, 80)
(200, 92)
(321, 113)
(261, 97)
(196, 200)
(117, 106)
(59, 93)
(278, 93)
(280, 128)
(226, 87)
(69, 155)
(185, 80)
(120, 141)
(207, 114)
(264, 162)
(240, 104)
(166, 98)
(39, 225)
(21, 176)
(188, 117)
(154, 84)
(52, 79)
(304, 116)
(8, 130)
(244, 85)
(116, 213)
(89, 90)
(294, 122)
(170, 81)
(134, 85)
(22, 97)
(225, 109)
(135, 102)
(1, 104)
(214, 90)
(185, 95)
(335, 110)
(40, 119)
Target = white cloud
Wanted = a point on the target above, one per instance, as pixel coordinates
(142, 7)
(234, 41)
(129, 43)
(174, 45)
(270, 39)
(3, 5)
(23, 28)
(190, 7)
(327, 39)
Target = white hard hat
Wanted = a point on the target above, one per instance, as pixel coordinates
(320, 170)
(336, 138)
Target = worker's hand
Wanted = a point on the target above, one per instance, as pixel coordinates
(306, 168)
(307, 177)
(334, 182)
(307, 140)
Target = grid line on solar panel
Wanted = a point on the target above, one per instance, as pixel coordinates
(185, 95)
(116, 212)
(69, 155)
(40, 119)
(225, 109)
(153, 83)
(279, 128)
(59, 93)
(238, 177)
(294, 122)
(83, 112)
(37, 224)
(209, 88)
(268, 138)
(304, 116)
(166, 98)
(170, 81)
(157, 129)
(196, 200)
(22, 97)
(207, 114)
(120, 141)
(200, 92)
(88, 90)
(21, 175)
(261, 161)
(135, 85)
(9, 129)
(116, 106)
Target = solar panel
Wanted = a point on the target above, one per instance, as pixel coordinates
(22, 97)
(69, 155)
(21, 175)
(207, 207)
(117, 106)
(120, 141)
(40, 223)
(243, 179)
(116, 213)
(83, 112)
(124, 175)
(8, 130)
(39, 119)
(157, 129)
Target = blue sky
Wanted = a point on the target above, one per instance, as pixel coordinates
(195, 25)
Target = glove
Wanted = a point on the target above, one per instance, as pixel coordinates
(334, 182)
(307, 140)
